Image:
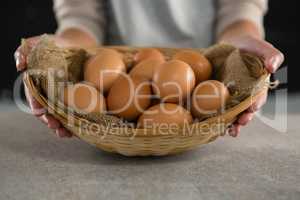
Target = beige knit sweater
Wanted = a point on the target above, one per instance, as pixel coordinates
(174, 23)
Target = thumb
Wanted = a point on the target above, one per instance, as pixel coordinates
(22, 52)
(273, 58)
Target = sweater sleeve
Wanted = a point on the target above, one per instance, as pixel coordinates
(230, 11)
(87, 15)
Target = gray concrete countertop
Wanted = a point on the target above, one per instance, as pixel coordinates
(260, 164)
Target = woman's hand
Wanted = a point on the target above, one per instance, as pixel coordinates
(71, 37)
(245, 36)
(36, 108)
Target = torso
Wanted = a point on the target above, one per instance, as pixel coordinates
(172, 23)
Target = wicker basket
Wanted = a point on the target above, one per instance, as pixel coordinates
(144, 142)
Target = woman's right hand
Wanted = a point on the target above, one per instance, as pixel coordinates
(36, 108)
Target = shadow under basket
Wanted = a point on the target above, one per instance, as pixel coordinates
(145, 142)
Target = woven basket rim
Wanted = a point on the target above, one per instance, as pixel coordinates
(233, 111)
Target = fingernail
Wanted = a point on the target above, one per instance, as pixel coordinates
(57, 133)
(45, 119)
(18, 64)
(16, 56)
(19, 58)
(274, 63)
(50, 126)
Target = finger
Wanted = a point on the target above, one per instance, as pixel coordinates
(43, 119)
(273, 58)
(245, 118)
(230, 129)
(21, 53)
(234, 130)
(50, 121)
(258, 103)
(36, 108)
(62, 132)
(20, 59)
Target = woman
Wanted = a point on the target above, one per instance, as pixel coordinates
(181, 23)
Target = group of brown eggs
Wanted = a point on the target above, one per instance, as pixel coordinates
(155, 90)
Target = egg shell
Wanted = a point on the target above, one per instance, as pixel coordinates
(129, 97)
(148, 53)
(164, 114)
(208, 98)
(199, 63)
(145, 68)
(84, 98)
(110, 51)
(173, 81)
(103, 69)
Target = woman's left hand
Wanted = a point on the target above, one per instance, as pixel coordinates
(273, 58)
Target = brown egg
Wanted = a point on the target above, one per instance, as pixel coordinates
(208, 98)
(129, 97)
(145, 68)
(164, 114)
(199, 63)
(110, 52)
(173, 81)
(148, 53)
(84, 98)
(103, 69)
